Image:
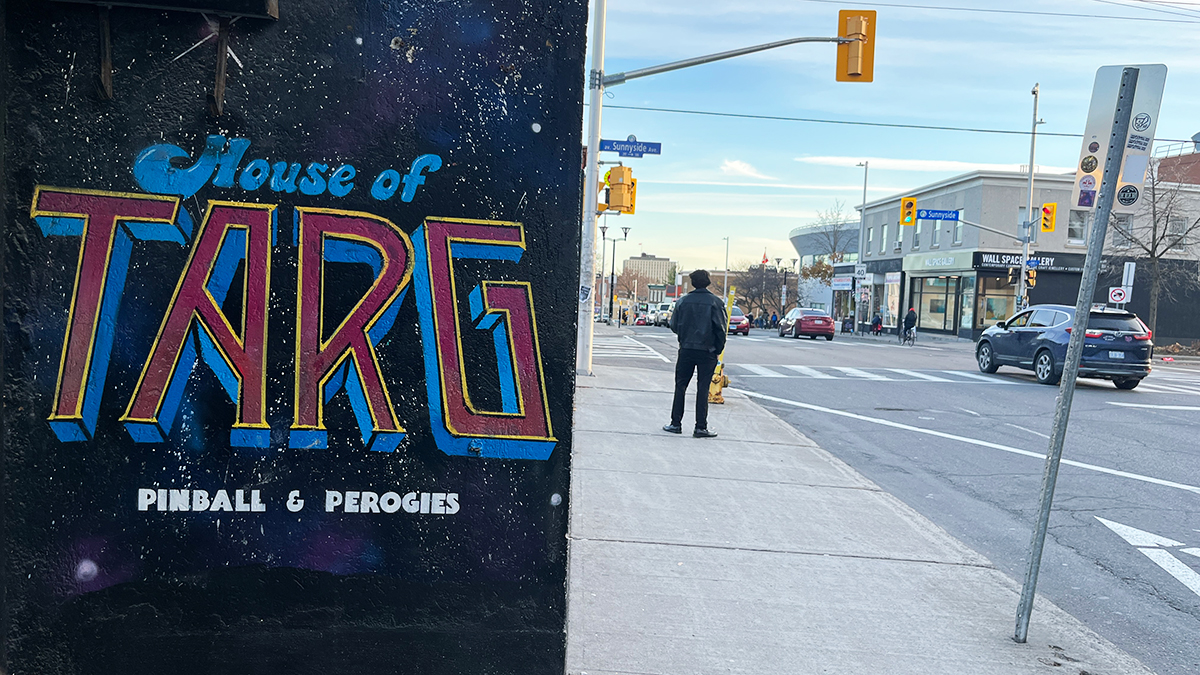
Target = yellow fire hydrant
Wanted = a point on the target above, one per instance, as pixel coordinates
(719, 382)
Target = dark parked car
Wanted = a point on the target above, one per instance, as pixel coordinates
(805, 321)
(1117, 345)
(738, 322)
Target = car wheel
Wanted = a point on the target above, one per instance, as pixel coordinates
(1127, 383)
(781, 331)
(829, 338)
(796, 333)
(986, 358)
(1043, 368)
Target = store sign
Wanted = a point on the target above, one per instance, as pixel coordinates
(892, 278)
(842, 283)
(938, 262)
(1058, 262)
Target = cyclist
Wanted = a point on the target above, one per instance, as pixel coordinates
(910, 322)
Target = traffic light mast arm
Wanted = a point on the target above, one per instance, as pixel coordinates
(621, 78)
(991, 229)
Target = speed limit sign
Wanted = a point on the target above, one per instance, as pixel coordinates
(1116, 295)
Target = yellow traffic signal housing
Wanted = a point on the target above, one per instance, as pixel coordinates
(908, 211)
(856, 60)
(632, 198)
(1048, 217)
(620, 189)
(1012, 276)
(1030, 278)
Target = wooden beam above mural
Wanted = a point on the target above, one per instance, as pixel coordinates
(259, 9)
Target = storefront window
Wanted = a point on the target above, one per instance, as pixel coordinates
(997, 301)
(893, 304)
(936, 301)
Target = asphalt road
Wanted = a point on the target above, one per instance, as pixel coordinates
(966, 450)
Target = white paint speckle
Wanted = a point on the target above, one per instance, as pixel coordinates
(358, 41)
(555, 499)
(537, 128)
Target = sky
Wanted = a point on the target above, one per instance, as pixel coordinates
(938, 63)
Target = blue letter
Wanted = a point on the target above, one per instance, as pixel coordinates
(314, 182)
(153, 171)
(254, 175)
(386, 184)
(338, 187)
(414, 177)
(284, 179)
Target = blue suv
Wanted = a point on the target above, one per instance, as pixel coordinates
(1117, 345)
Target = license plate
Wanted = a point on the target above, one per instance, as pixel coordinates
(819, 321)
(1116, 355)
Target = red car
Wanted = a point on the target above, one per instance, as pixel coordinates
(805, 321)
(738, 322)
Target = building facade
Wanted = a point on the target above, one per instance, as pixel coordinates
(651, 268)
(829, 243)
(961, 279)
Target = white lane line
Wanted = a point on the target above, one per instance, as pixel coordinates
(976, 376)
(1162, 389)
(972, 441)
(1176, 568)
(759, 370)
(972, 412)
(1156, 407)
(855, 372)
(922, 376)
(811, 372)
(1035, 433)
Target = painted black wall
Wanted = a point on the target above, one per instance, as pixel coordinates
(91, 584)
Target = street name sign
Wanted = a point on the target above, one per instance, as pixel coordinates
(935, 214)
(631, 147)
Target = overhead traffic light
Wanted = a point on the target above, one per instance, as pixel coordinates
(908, 211)
(1030, 278)
(856, 60)
(1048, 216)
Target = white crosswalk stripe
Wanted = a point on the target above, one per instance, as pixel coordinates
(855, 372)
(810, 372)
(623, 347)
(921, 376)
(782, 370)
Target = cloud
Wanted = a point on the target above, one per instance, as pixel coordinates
(784, 186)
(929, 165)
(736, 167)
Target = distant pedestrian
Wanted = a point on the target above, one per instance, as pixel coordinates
(774, 320)
(700, 322)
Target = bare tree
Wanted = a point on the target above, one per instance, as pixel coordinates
(833, 241)
(1166, 228)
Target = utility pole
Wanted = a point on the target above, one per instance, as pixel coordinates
(862, 230)
(587, 244)
(1027, 227)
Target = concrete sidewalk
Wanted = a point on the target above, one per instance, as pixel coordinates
(758, 552)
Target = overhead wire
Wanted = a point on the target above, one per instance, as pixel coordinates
(861, 123)
(988, 10)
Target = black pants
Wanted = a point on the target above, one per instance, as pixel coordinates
(704, 363)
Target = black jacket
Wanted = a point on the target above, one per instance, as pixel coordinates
(910, 319)
(700, 322)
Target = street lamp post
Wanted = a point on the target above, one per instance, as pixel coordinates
(1028, 225)
(604, 284)
(613, 278)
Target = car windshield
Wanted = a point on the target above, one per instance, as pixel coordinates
(736, 312)
(1123, 323)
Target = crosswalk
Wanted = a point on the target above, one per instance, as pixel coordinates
(624, 347)
(774, 370)
(1177, 382)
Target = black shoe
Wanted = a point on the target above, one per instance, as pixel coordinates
(703, 433)
(672, 429)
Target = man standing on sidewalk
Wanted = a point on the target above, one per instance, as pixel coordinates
(700, 322)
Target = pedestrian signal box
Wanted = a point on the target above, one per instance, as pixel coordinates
(1030, 278)
(1048, 217)
(856, 60)
(908, 211)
